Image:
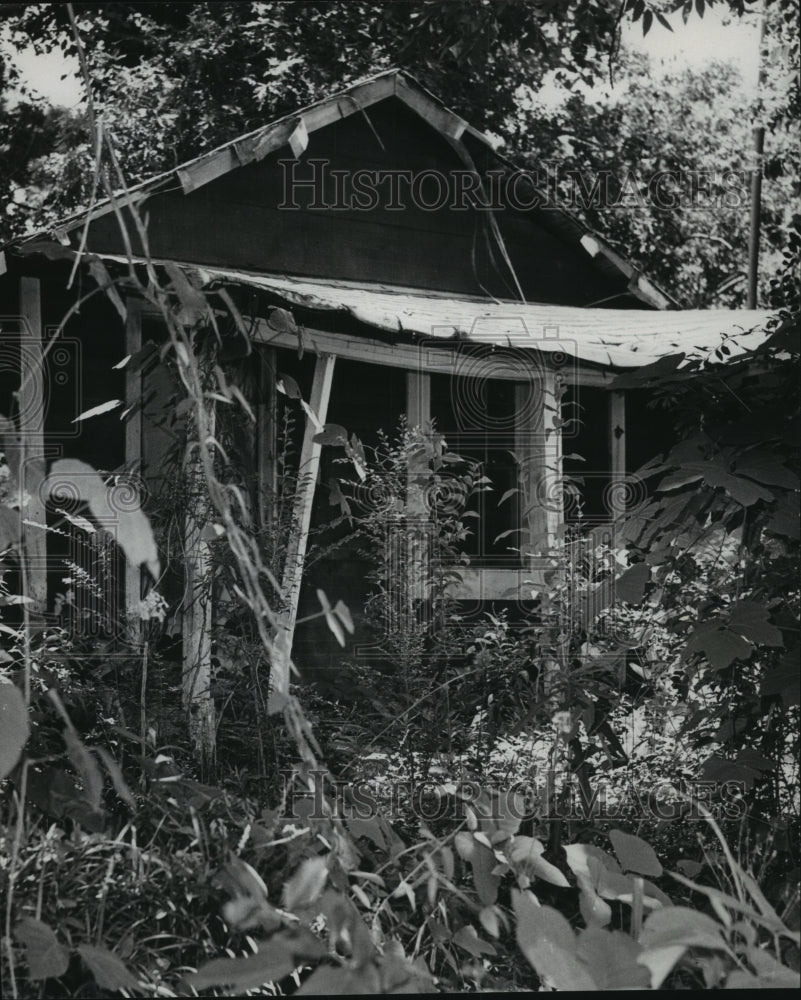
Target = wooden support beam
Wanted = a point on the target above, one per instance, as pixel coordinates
(31, 429)
(197, 616)
(418, 400)
(538, 446)
(293, 131)
(133, 448)
(552, 446)
(426, 359)
(296, 551)
(145, 439)
(266, 437)
(617, 453)
(418, 417)
(527, 515)
(438, 117)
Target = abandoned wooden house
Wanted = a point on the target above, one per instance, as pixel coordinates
(429, 280)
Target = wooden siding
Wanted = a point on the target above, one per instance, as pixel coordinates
(236, 221)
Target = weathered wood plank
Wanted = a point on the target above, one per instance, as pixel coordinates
(430, 359)
(197, 617)
(552, 447)
(525, 514)
(266, 437)
(292, 131)
(490, 583)
(538, 446)
(617, 453)
(418, 399)
(31, 428)
(418, 416)
(133, 443)
(345, 104)
(440, 118)
(296, 551)
(638, 285)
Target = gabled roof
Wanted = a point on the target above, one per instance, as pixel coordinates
(602, 337)
(293, 130)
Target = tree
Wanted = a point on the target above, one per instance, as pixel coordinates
(662, 170)
(36, 142)
(174, 79)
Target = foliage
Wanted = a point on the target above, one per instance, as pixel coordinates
(662, 169)
(125, 873)
(185, 77)
(444, 885)
(408, 518)
(730, 488)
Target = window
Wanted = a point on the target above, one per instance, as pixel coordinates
(587, 459)
(477, 419)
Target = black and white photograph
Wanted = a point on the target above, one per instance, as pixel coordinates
(400, 585)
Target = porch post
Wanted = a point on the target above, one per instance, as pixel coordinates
(197, 612)
(266, 434)
(617, 454)
(418, 415)
(301, 522)
(539, 450)
(552, 443)
(133, 444)
(418, 400)
(31, 429)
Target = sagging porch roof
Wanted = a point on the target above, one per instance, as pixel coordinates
(611, 338)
